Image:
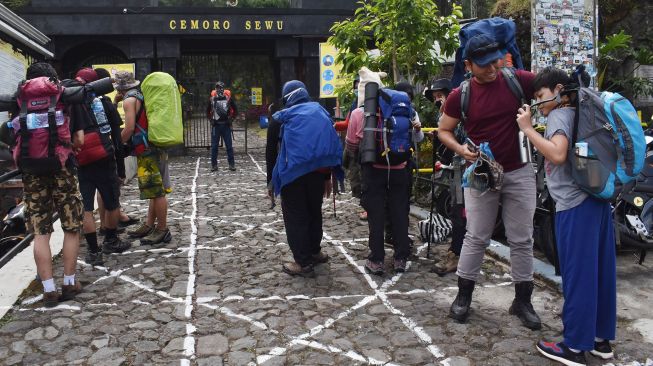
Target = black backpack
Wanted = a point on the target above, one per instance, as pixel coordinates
(220, 105)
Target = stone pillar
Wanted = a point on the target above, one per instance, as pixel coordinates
(286, 52)
(141, 50)
(168, 52)
(311, 55)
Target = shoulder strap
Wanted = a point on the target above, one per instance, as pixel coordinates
(464, 100)
(514, 85)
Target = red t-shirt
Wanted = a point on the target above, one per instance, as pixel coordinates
(492, 116)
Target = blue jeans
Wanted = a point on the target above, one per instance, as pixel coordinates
(221, 130)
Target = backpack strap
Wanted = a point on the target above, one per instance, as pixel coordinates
(24, 132)
(514, 85)
(464, 100)
(52, 126)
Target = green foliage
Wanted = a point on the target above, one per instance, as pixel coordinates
(614, 53)
(406, 32)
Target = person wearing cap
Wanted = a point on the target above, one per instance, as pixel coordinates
(153, 173)
(491, 118)
(100, 176)
(221, 124)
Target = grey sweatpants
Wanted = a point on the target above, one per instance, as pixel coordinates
(517, 198)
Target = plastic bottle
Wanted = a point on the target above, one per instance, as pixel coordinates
(38, 120)
(100, 116)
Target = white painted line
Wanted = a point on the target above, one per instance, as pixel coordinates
(256, 163)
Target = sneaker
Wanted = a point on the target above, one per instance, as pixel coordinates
(214, 168)
(141, 231)
(114, 245)
(94, 259)
(296, 269)
(320, 258)
(50, 299)
(119, 230)
(232, 167)
(448, 265)
(68, 292)
(130, 221)
(602, 350)
(376, 268)
(561, 353)
(157, 236)
(400, 265)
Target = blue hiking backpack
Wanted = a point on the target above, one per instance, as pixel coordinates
(608, 146)
(393, 133)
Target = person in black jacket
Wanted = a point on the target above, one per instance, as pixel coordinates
(221, 110)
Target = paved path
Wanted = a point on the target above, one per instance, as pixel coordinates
(216, 295)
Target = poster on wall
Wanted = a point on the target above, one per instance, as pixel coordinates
(13, 65)
(564, 35)
(113, 69)
(329, 71)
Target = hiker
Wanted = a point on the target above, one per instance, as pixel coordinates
(50, 187)
(584, 229)
(437, 93)
(97, 170)
(489, 117)
(221, 111)
(308, 151)
(153, 173)
(114, 120)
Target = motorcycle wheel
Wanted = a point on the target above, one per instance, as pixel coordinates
(443, 203)
(7, 243)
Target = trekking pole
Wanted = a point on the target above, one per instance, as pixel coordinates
(430, 225)
(334, 185)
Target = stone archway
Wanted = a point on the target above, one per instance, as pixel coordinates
(87, 54)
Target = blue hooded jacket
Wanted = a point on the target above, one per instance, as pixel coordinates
(308, 139)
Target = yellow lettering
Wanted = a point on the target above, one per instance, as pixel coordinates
(183, 24)
(280, 24)
(268, 24)
(173, 24)
(226, 25)
(206, 24)
(216, 24)
(257, 24)
(248, 25)
(195, 24)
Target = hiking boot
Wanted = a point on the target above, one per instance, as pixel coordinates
(602, 350)
(319, 258)
(129, 222)
(157, 236)
(522, 307)
(214, 168)
(459, 310)
(115, 245)
(448, 265)
(296, 269)
(399, 265)
(141, 231)
(376, 268)
(94, 259)
(232, 167)
(50, 299)
(103, 231)
(68, 292)
(561, 353)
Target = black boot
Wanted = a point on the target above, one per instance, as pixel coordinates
(522, 307)
(459, 310)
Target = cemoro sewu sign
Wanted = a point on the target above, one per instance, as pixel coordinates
(217, 24)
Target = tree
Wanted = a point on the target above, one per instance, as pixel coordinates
(411, 35)
(617, 63)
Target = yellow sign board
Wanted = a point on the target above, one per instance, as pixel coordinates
(257, 96)
(113, 69)
(329, 71)
(13, 65)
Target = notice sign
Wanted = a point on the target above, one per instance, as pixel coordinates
(113, 69)
(257, 96)
(12, 71)
(329, 71)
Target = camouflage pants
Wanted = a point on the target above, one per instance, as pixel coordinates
(153, 175)
(45, 195)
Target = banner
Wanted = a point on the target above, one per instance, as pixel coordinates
(13, 65)
(113, 69)
(329, 71)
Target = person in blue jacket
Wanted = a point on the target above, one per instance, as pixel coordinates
(303, 149)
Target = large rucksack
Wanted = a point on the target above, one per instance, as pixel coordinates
(511, 79)
(97, 137)
(607, 148)
(162, 103)
(220, 106)
(393, 132)
(42, 128)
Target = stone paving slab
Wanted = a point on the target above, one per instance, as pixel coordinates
(216, 295)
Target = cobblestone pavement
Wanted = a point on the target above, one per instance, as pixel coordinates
(216, 295)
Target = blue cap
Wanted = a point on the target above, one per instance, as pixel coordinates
(482, 50)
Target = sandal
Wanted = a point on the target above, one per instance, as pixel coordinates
(363, 216)
(129, 222)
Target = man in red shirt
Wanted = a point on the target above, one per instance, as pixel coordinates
(491, 117)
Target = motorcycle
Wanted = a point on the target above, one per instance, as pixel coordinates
(12, 229)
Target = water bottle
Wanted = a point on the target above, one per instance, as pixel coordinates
(100, 116)
(525, 150)
(38, 120)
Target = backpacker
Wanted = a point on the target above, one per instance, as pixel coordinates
(608, 146)
(220, 106)
(163, 108)
(393, 132)
(97, 138)
(42, 128)
(139, 139)
(513, 83)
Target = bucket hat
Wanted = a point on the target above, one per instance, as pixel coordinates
(124, 80)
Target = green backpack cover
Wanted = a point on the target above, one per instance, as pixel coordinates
(163, 106)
